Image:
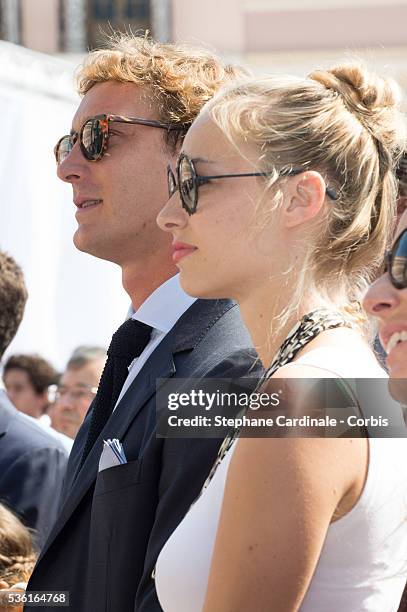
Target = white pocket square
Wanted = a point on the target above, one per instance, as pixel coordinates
(112, 454)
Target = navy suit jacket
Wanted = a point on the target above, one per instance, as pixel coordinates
(113, 524)
(32, 469)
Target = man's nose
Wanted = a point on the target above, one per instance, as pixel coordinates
(72, 168)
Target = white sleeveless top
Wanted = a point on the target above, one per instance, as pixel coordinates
(363, 563)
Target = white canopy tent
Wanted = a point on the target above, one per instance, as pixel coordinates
(73, 298)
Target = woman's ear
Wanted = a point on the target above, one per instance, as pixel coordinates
(305, 198)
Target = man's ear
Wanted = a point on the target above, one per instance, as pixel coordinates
(305, 198)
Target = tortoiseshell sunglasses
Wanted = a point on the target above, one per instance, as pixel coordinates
(94, 135)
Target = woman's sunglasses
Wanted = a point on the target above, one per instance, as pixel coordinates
(94, 135)
(188, 181)
(396, 262)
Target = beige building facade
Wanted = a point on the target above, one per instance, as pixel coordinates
(276, 35)
(246, 26)
(296, 36)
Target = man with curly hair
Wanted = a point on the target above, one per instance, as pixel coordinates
(32, 461)
(139, 99)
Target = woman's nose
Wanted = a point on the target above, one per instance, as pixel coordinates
(172, 215)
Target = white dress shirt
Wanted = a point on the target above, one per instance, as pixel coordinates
(161, 310)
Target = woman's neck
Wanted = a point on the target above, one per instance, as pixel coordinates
(261, 313)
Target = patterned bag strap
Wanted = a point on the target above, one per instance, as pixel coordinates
(310, 326)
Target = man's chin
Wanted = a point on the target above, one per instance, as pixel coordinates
(79, 241)
(86, 244)
(97, 248)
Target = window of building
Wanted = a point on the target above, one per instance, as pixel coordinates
(136, 9)
(103, 9)
(10, 20)
(123, 15)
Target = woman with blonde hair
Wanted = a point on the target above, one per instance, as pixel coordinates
(283, 199)
(17, 556)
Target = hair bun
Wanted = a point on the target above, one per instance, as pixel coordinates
(372, 99)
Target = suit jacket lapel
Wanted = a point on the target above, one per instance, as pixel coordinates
(185, 335)
(160, 364)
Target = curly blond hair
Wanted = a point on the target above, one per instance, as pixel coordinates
(180, 78)
(346, 124)
(17, 556)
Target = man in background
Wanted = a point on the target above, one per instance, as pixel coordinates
(27, 379)
(32, 461)
(77, 388)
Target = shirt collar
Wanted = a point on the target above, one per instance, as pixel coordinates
(162, 309)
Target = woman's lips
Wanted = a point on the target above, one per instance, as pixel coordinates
(181, 250)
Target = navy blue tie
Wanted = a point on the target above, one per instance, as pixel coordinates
(127, 343)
